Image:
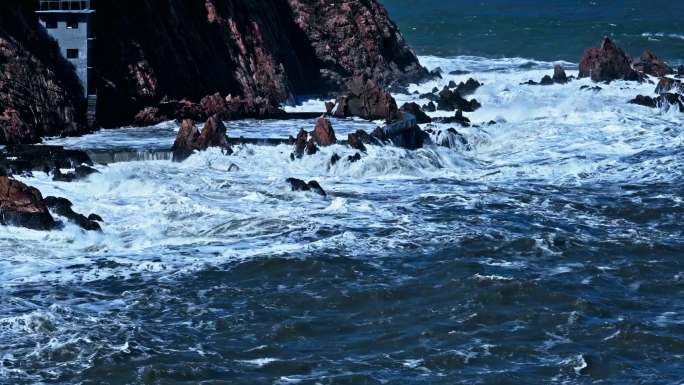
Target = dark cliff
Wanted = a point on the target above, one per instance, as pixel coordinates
(149, 51)
(40, 94)
(277, 49)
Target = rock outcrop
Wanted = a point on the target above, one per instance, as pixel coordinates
(650, 64)
(451, 100)
(40, 94)
(159, 50)
(666, 85)
(665, 101)
(23, 206)
(607, 63)
(63, 207)
(415, 110)
(191, 139)
(368, 100)
(323, 134)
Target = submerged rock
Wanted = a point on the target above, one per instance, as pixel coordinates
(415, 110)
(666, 85)
(650, 64)
(190, 139)
(300, 185)
(354, 158)
(81, 172)
(607, 63)
(23, 206)
(63, 207)
(323, 134)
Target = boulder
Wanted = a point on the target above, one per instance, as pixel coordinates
(299, 144)
(323, 134)
(666, 85)
(300, 185)
(559, 75)
(546, 81)
(415, 110)
(21, 205)
(359, 139)
(650, 64)
(80, 172)
(367, 100)
(607, 63)
(329, 107)
(63, 207)
(450, 101)
(666, 101)
(190, 138)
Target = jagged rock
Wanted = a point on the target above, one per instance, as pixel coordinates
(452, 139)
(63, 207)
(359, 139)
(468, 88)
(329, 107)
(300, 144)
(323, 134)
(21, 205)
(546, 81)
(300, 185)
(354, 158)
(450, 101)
(666, 85)
(430, 107)
(559, 75)
(667, 101)
(95, 217)
(410, 139)
(607, 63)
(414, 109)
(148, 116)
(311, 147)
(429, 96)
(367, 100)
(650, 64)
(379, 135)
(190, 139)
(452, 84)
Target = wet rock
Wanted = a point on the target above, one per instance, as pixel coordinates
(452, 139)
(379, 135)
(300, 144)
(95, 217)
(680, 70)
(300, 185)
(415, 110)
(666, 101)
(22, 159)
(666, 85)
(430, 107)
(457, 118)
(354, 158)
(359, 139)
(63, 208)
(81, 172)
(323, 134)
(650, 64)
(468, 88)
(450, 101)
(329, 107)
(367, 100)
(190, 139)
(334, 159)
(23, 206)
(436, 73)
(311, 147)
(429, 96)
(452, 84)
(589, 88)
(546, 81)
(233, 167)
(607, 63)
(435, 90)
(559, 75)
(411, 139)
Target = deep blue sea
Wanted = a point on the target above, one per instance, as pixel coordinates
(548, 250)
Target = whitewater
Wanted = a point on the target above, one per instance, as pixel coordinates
(548, 250)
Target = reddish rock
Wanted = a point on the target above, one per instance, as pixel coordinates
(650, 64)
(300, 144)
(359, 139)
(323, 134)
(149, 116)
(607, 63)
(214, 105)
(329, 107)
(311, 147)
(367, 100)
(190, 138)
(415, 110)
(21, 205)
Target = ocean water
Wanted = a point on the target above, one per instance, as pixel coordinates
(544, 30)
(550, 251)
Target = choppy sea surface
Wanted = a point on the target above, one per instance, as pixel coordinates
(549, 251)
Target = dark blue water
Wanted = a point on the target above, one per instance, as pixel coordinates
(544, 30)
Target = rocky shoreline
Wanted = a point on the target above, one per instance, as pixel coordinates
(351, 52)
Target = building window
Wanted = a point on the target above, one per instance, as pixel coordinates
(72, 53)
(72, 23)
(51, 24)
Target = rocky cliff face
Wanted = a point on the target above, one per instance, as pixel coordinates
(39, 92)
(151, 50)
